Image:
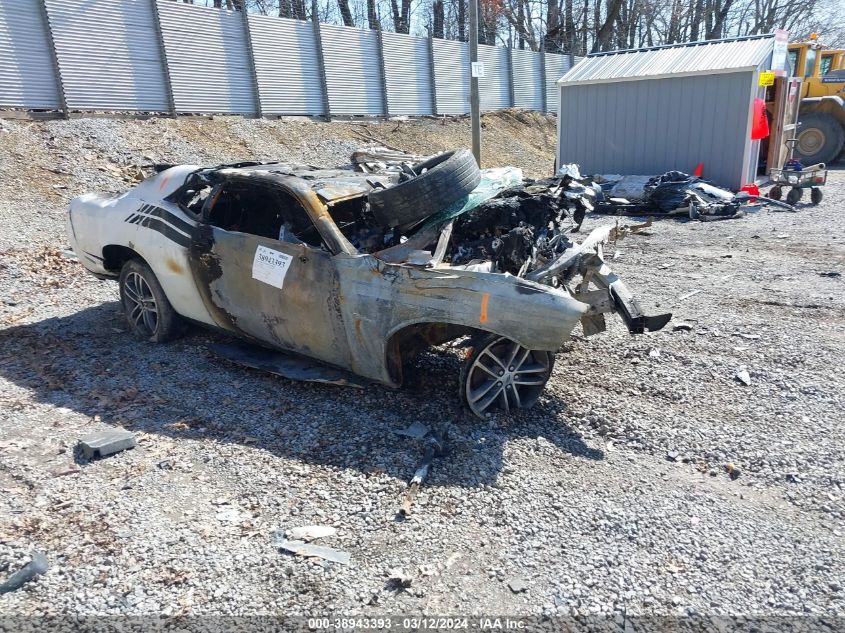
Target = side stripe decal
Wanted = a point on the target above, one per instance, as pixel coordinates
(173, 219)
(168, 231)
(148, 216)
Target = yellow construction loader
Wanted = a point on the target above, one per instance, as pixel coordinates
(821, 134)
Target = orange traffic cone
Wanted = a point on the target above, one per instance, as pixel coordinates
(699, 169)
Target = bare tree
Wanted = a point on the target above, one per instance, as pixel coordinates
(438, 18)
(345, 12)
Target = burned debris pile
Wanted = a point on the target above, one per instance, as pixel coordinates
(514, 231)
(506, 225)
(675, 194)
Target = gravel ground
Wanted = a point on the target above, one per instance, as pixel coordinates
(648, 480)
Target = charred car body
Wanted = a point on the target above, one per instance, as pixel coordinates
(359, 270)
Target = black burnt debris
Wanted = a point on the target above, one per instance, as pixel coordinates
(519, 229)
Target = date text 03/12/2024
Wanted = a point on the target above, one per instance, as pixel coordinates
(418, 623)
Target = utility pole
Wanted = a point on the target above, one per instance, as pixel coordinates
(474, 109)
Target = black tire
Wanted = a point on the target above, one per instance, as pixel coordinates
(816, 195)
(820, 138)
(775, 193)
(447, 178)
(148, 312)
(794, 196)
(536, 365)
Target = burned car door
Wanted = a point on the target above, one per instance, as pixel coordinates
(265, 274)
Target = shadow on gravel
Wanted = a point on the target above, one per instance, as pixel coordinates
(87, 363)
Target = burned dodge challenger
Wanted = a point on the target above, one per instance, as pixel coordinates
(360, 271)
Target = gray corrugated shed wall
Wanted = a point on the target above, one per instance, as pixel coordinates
(27, 73)
(208, 59)
(407, 71)
(287, 65)
(109, 55)
(656, 125)
(353, 74)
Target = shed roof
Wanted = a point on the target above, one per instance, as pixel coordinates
(710, 57)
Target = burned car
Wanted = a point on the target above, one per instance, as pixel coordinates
(361, 270)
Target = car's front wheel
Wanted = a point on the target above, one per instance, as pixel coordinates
(149, 314)
(502, 375)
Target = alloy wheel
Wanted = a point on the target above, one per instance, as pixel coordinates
(505, 375)
(141, 304)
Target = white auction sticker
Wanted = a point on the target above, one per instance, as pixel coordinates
(270, 266)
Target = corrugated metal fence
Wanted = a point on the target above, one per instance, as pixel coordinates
(169, 57)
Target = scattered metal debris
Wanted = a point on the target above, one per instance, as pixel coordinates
(307, 550)
(285, 365)
(380, 159)
(295, 541)
(692, 293)
(416, 430)
(399, 579)
(682, 327)
(434, 448)
(676, 194)
(310, 532)
(37, 566)
(105, 443)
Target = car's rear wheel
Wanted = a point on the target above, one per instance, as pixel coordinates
(502, 375)
(149, 314)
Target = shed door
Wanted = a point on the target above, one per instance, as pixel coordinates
(784, 120)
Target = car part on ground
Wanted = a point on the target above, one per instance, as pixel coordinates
(676, 194)
(288, 366)
(37, 566)
(430, 186)
(435, 446)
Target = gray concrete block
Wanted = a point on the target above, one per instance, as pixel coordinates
(105, 443)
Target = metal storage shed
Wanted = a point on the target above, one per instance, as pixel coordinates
(649, 111)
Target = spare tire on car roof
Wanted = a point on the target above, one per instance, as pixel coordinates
(442, 180)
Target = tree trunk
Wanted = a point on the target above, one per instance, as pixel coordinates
(297, 9)
(345, 13)
(438, 17)
(406, 16)
(602, 42)
(462, 20)
(568, 26)
(372, 16)
(585, 27)
(720, 13)
(697, 15)
(552, 24)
